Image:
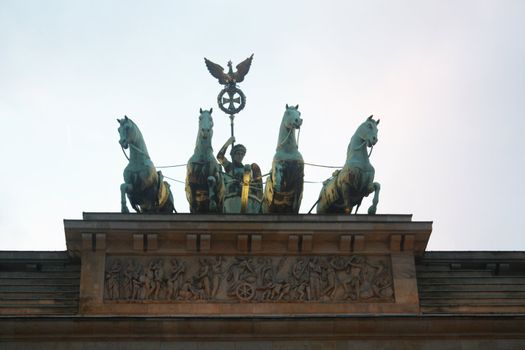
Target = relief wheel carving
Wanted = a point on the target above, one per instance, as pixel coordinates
(245, 292)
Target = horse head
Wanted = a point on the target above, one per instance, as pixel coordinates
(367, 132)
(292, 117)
(129, 133)
(205, 124)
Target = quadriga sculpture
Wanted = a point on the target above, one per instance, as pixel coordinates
(204, 182)
(284, 187)
(144, 186)
(347, 187)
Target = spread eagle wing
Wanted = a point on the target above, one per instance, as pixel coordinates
(217, 71)
(243, 68)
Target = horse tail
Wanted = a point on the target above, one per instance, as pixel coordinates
(268, 195)
(163, 196)
(317, 201)
(166, 201)
(171, 201)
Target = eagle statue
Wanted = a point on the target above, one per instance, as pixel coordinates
(230, 78)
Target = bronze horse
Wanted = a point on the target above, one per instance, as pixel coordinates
(284, 187)
(204, 182)
(347, 187)
(144, 186)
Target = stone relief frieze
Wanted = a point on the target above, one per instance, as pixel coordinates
(353, 278)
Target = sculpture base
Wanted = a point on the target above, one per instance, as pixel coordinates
(246, 265)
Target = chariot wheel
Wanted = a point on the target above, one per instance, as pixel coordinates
(245, 292)
(231, 100)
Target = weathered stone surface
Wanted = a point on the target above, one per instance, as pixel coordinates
(38, 283)
(113, 315)
(371, 233)
(260, 279)
(423, 332)
(246, 265)
(277, 345)
(471, 282)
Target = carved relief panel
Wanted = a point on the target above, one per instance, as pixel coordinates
(254, 279)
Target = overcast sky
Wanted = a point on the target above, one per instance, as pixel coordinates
(447, 79)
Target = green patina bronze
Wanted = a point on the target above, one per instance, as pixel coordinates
(204, 181)
(239, 189)
(236, 99)
(284, 187)
(239, 176)
(347, 187)
(144, 186)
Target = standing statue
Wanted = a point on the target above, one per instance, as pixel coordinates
(284, 187)
(238, 177)
(144, 186)
(347, 187)
(204, 183)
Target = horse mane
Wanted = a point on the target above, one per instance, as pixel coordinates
(140, 138)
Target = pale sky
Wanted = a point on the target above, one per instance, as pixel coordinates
(446, 78)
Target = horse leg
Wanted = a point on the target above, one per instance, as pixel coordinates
(124, 188)
(268, 195)
(376, 187)
(345, 189)
(212, 195)
(298, 196)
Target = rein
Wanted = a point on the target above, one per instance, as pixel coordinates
(287, 136)
(134, 147)
(125, 155)
(361, 146)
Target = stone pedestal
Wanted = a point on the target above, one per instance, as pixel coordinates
(247, 265)
(259, 282)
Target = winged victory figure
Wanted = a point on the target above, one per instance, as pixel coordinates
(231, 77)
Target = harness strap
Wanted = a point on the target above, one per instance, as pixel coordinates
(363, 144)
(286, 138)
(125, 155)
(134, 147)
